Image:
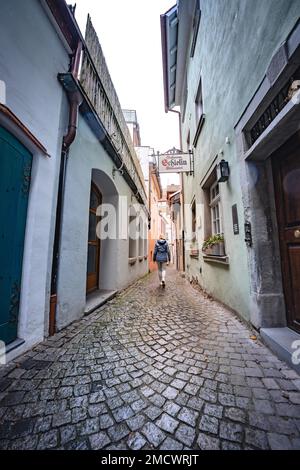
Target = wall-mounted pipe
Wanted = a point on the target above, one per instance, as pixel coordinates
(182, 188)
(75, 100)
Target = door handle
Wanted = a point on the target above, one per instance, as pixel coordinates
(297, 233)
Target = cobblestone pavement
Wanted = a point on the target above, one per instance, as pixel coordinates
(164, 369)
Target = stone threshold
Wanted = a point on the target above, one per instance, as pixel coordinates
(15, 344)
(97, 299)
(280, 341)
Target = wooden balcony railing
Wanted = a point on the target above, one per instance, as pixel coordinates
(98, 86)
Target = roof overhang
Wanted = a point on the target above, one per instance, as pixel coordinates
(176, 27)
(186, 11)
(64, 22)
(169, 33)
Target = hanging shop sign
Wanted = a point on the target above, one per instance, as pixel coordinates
(178, 163)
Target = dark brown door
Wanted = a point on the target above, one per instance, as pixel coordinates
(93, 260)
(286, 168)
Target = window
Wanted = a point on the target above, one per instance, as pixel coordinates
(146, 233)
(141, 238)
(198, 104)
(214, 246)
(194, 220)
(188, 141)
(196, 23)
(215, 209)
(132, 234)
(184, 100)
(199, 115)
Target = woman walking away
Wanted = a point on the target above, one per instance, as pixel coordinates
(162, 256)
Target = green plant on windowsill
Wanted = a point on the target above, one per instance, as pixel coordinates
(214, 245)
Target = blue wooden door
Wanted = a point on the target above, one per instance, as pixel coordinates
(15, 170)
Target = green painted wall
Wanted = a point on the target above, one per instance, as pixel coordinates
(236, 41)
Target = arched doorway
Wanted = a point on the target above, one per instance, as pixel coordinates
(102, 241)
(93, 259)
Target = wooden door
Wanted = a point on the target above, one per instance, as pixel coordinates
(93, 260)
(286, 169)
(15, 171)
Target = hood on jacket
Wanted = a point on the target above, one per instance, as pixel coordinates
(161, 242)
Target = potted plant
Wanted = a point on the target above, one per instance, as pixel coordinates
(214, 245)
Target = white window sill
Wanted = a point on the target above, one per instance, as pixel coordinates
(216, 259)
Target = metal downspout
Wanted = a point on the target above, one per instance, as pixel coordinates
(74, 103)
(182, 189)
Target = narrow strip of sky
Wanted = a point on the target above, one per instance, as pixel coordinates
(129, 32)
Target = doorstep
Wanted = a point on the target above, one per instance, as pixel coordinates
(15, 344)
(10, 351)
(280, 341)
(98, 298)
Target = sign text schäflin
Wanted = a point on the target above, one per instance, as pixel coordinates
(178, 163)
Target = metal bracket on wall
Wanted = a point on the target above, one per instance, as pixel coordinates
(118, 169)
(134, 195)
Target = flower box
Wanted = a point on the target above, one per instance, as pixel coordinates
(218, 249)
(214, 246)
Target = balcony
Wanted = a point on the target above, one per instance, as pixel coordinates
(99, 92)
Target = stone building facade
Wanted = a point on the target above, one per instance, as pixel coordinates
(66, 159)
(233, 69)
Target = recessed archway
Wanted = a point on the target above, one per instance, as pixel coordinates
(106, 228)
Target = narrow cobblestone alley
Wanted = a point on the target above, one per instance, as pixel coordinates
(164, 369)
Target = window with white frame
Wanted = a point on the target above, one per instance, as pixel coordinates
(215, 209)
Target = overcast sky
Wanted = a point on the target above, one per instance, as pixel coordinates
(129, 33)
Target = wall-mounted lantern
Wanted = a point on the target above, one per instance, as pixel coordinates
(222, 171)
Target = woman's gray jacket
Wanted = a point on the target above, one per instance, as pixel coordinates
(161, 251)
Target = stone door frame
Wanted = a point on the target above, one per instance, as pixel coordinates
(267, 307)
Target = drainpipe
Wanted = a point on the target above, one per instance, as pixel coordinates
(182, 189)
(150, 224)
(74, 103)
